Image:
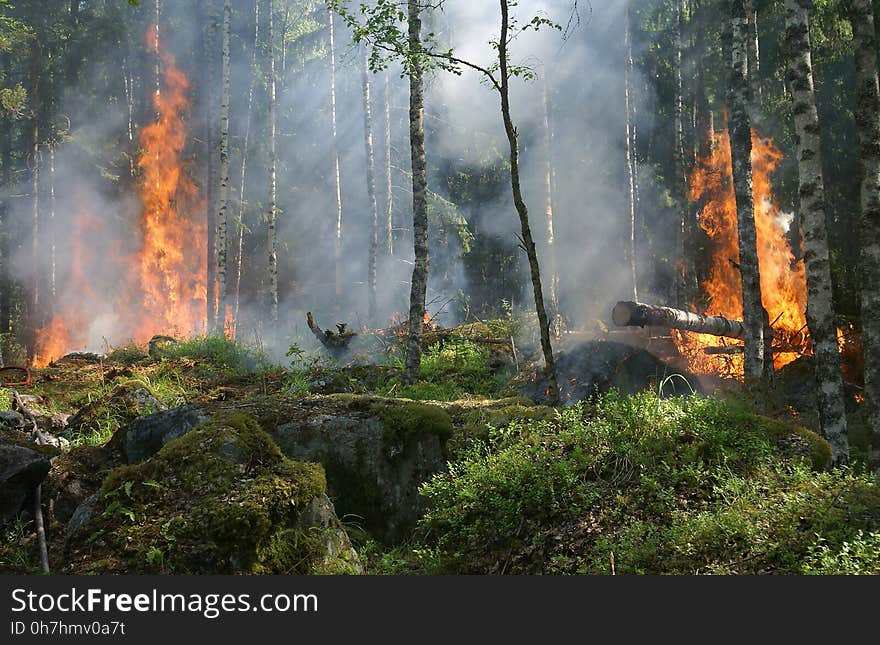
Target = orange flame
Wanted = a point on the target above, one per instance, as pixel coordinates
(783, 284)
(171, 264)
(163, 291)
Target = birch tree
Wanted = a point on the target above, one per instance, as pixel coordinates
(740, 134)
(820, 311)
(271, 211)
(337, 186)
(371, 188)
(223, 192)
(868, 125)
(419, 282)
(244, 158)
(389, 195)
(630, 152)
(548, 210)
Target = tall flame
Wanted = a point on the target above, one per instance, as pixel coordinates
(163, 291)
(170, 268)
(783, 283)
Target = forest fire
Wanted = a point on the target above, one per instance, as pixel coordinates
(163, 288)
(783, 284)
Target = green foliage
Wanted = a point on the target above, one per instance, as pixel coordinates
(665, 485)
(451, 369)
(859, 556)
(220, 355)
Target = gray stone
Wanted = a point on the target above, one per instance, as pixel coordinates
(21, 471)
(11, 419)
(145, 436)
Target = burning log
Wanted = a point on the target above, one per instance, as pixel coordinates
(332, 340)
(637, 314)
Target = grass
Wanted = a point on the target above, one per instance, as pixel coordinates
(453, 369)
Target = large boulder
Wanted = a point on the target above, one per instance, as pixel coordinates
(145, 436)
(221, 499)
(22, 469)
(376, 451)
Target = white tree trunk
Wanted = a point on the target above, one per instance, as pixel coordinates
(419, 283)
(272, 206)
(820, 309)
(223, 192)
(371, 189)
(244, 158)
(337, 184)
(868, 125)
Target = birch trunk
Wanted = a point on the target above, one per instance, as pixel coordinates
(213, 180)
(223, 193)
(5, 277)
(630, 157)
(868, 125)
(548, 211)
(389, 196)
(522, 211)
(754, 52)
(35, 223)
(52, 236)
(820, 310)
(244, 158)
(740, 150)
(272, 207)
(419, 283)
(682, 252)
(337, 184)
(371, 189)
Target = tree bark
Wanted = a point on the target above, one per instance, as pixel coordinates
(337, 184)
(754, 52)
(637, 314)
(52, 236)
(682, 251)
(371, 190)
(212, 145)
(419, 283)
(548, 211)
(868, 125)
(272, 206)
(630, 156)
(740, 150)
(389, 195)
(223, 193)
(820, 309)
(244, 157)
(522, 211)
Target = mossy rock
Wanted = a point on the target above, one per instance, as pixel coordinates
(221, 499)
(797, 441)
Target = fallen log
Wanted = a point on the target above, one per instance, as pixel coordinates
(637, 314)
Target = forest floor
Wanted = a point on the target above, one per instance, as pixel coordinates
(462, 472)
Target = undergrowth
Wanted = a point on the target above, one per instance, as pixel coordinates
(695, 485)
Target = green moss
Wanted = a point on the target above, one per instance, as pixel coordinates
(218, 500)
(798, 440)
(404, 420)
